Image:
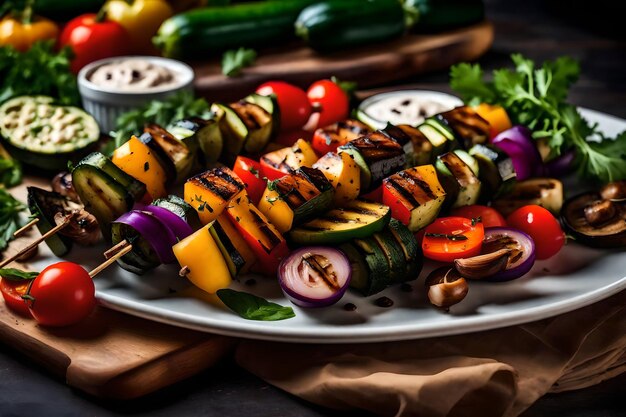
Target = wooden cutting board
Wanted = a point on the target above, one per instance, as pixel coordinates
(369, 65)
(110, 354)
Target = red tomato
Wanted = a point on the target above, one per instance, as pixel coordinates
(92, 38)
(489, 217)
(12, 291)
(295, 108)
(288, 138)
(249, 171)
(376, 195)
(62, 294)
(541, 225)
(330, 102)
(323, 144)
(447, 249)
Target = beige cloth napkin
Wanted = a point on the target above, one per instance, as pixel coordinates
(492, 373)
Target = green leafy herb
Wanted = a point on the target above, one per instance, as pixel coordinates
(13, 274)
(10, 209)
(446, 236)
(42, 70)
(251, 307)
(234, 61)
(536, 97)
(162, 112)
(271, 185)
(476, 220)
(10, 169)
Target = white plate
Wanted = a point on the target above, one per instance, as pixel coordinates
(574, 278)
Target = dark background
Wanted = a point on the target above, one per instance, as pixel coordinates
(591, 31)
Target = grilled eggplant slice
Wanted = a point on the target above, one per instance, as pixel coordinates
(296, 198)
(469, 128)
(417, 196)
(210, 192)
(180, 154)
(257, 121)
(205, 134)
(342, 132)
(458, 179)
(496, 170)
(377, 155)
(355, 219)
(545, 192)
(288, 160)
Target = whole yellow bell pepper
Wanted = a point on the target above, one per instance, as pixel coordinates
(141, 19)
(21, 29)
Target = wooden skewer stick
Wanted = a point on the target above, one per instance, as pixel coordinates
(113, 250)
(184, 271)
(45, 236)
(110, 260)
(26, 227)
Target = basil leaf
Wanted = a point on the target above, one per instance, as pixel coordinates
(10, 209)
(234, 61)
(251, 307)
(13, 274)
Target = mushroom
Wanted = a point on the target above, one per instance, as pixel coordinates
(83, 227)
(62, 184)
(615, 191)
(600, 211)
(485, 265)
(446, 287)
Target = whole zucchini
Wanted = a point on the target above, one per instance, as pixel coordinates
(207, 30)
(440, 15)
(334, 25)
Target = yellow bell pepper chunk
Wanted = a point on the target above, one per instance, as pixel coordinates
(136, 159)
(205, 265)
(496, 116)
(210, 192)
(344, 175)
(276, 210)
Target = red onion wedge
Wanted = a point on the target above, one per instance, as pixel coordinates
(519, 144)
(315, 276)
(177, 225)
(157, 234)
(506, 254)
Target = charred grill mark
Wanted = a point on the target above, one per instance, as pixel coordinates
(328, 277)
(273, 240)
(419, 182)
(404, 193)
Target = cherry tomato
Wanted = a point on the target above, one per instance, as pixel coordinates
(92, 38)
(443, 242)
(376, 195)
(295, 108)
(249, 171)
(62, 294)
(489, 217)
(330, 102)
(12, 291)
(541, 225)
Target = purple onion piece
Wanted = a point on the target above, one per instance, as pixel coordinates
(178, 226)
(522, 258)
(519, 144)
(315, 276)
(157, 234)
(561, 165)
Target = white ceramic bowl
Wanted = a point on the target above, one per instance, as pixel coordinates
(106, 104)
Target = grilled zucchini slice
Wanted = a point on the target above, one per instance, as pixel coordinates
(180, 154)
(270, 105)
(439, 135)
(410, 248)
(237, 254)
(468, 127)
(458, 179)
(205, 134)
(496, 170)
(233, 130)
(257, 121)
(356, 219)
(379, 276)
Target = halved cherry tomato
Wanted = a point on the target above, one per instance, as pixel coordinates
(62, 294)
(489, 217)
(376, 195)
(450, 238)
(295, 108)
(541, 225)
(249, 171)
(12, 291)
(330, 102)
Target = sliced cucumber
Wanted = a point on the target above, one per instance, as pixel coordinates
(357, 219)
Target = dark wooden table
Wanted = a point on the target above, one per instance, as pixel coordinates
(529, 27)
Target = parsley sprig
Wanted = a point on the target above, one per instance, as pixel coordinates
(536, 97)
